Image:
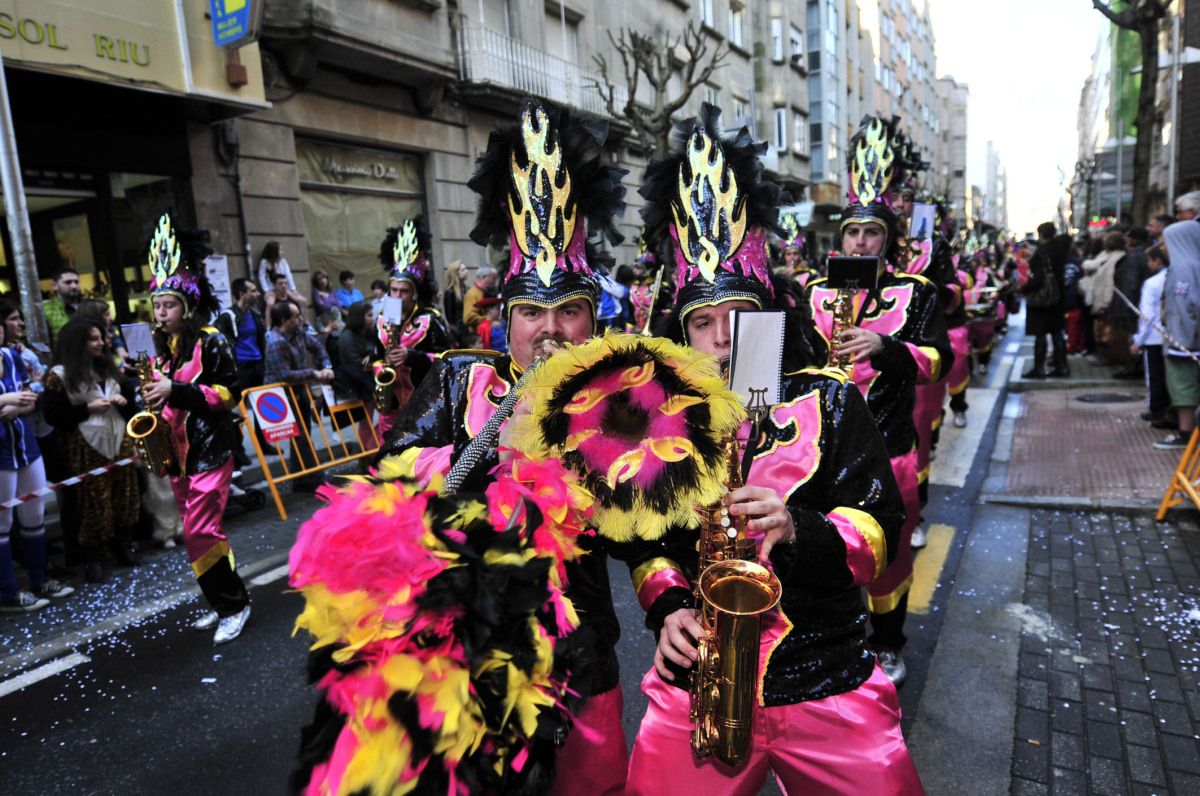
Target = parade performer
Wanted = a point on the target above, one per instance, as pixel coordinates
(794, 245)
(194, 391)
(898, 341)
(411, 346)
(544, 188)
(819, 494)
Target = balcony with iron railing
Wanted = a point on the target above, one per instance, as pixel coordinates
(490, 58)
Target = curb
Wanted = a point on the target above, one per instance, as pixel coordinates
(1018, 384)
(1054, 502)
(47, 650)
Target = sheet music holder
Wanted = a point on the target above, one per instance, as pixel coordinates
(924, 216)
(392, 310)
(756, 356)
(138, 339)
(853, 273)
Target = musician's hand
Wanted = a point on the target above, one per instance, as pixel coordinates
(118, 400)
(157, 393)
(861, 344)
(676, 641)
(397, 355)
(768, 515)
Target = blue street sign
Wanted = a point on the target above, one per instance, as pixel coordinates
(235, 22)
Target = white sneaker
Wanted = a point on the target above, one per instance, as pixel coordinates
(207, 621)
(893, 666)
(918, 538)
(230, 627)
(960, 419)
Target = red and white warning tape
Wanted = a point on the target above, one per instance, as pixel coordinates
(72, 481)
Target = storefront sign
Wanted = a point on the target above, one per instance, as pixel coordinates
(326, 164)
(275, 417)
(235, 22)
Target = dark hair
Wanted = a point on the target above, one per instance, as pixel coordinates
(1158, 252)
(93, 308)
(1138, 235)
(379, 284)
(316, 279)
(240, 286)
(344, 275)
(356, 318)
(1095, 246)
(276, 276)
(7, 308)
(270, 252)
(1047, 230)
(624, 275)
(71, 353)
(281, 313)
(66, 269)
(1165, 219)
(1114, 242)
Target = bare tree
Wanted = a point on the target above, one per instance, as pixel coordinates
(1143, 18)
(647, 58)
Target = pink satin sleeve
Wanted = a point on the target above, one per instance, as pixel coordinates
(213, 398)
(866, 553)
(431, 462)
(653, 587)
(929, 363)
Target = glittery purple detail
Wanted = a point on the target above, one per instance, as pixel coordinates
(750, 260)
(412, 272)
(181, 282)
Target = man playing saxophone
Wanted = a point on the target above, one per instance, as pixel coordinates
(821, 504)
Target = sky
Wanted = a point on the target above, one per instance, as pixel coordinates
(1024, 62)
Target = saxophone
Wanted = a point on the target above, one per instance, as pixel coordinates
(385, 379)
(149, 432)
(733, 591)
(843, 319)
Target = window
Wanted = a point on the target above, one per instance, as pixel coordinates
(781, 124)
(712, 96)
(706, 12)
(776, 39)
(741, 111)
(799, 134)
(735, 25)
(797, 46)
(818, 160)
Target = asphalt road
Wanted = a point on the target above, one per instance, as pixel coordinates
(156, 709)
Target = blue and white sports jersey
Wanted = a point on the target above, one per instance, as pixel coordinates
(18, 445)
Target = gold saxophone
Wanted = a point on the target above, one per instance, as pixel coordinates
(733, 591)
(149, 432)
(385, 379)
(843, 319)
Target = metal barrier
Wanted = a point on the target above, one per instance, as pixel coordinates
(342, 417)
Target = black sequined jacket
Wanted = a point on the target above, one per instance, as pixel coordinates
(204, 390)
(821, 452)
(447, 410)
(907, 315)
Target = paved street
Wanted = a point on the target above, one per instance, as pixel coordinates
(1052, 649)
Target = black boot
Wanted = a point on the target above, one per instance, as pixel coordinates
(124, 550)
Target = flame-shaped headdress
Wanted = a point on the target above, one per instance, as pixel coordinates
(405, 252)
(875, 161)
(793, 237)
(543, 186)
(176, 262)
(708, 198)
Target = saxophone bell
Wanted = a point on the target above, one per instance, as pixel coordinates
(151, 437)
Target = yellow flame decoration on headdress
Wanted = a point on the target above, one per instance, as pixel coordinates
(874, 163)
(406, 251)
(164, 255)
(714, 215)
(791, 225)
(543, 213)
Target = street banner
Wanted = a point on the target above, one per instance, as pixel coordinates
(216, 269)
(275, 417)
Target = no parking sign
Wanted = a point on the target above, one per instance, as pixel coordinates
(275, 416)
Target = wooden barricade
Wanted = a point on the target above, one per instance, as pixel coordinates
(337, 449)
(1185, 481)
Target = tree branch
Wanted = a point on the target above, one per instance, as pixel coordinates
(1123, 20)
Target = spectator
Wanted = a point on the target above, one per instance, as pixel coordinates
(1043, 295)
(493, 336)
(1130, 273)
(611, 296)
(1148, 341)
(324, 300)
(288, 349)
(246, 330)
(1103, 270)
(1181, 319)
(59, 309)
(280, 291)
(87, 403)
(454, 290)
(347, 294)
(625, 278)
(357, 350)
(485, 278)
(21, 472)
(1187, 207)
(114, 342)
(379, 289)
(271, 264)
(1156, 226)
